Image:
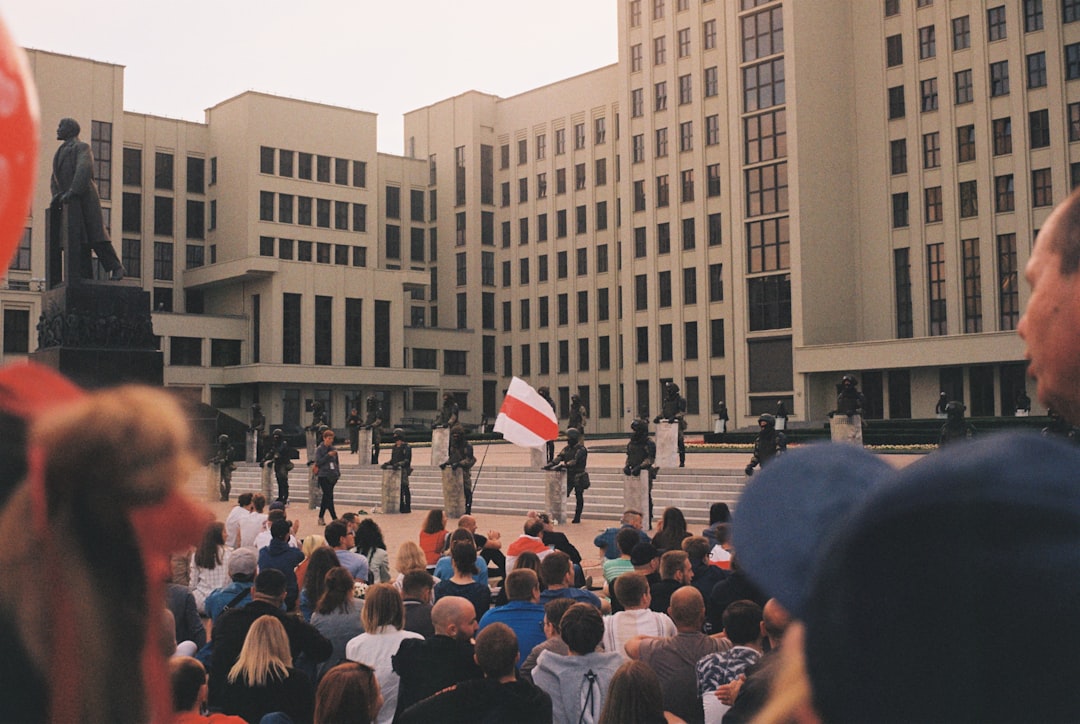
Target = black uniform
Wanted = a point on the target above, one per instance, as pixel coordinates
(461, 458)
(769, 443)
(223, 459)
(640, 455)
(574, 459)
(578, 414)
(280, 454)
(401, 459)
(673, 409)
(373, 421)
(353, 422)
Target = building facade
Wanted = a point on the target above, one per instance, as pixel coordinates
(757, 198)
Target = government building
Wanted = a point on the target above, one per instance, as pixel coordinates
(757, 198)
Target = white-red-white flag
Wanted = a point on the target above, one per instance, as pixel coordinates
(526, 418)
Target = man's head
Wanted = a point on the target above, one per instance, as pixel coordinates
(645, 558)
(417, 585)
(188, 679)
(774, 621)
(697, 547)
(337, 535)
(555, 570)
(626, 539)
(497, 650)
(280, 529)
(675, 566)
(687, 609)
(632, 590)
(351, 520)
(573, 435)
(582, 628)
(1051, 323)
(258, 502)
(553, 613)
(742, 623)
(328, 436)
(242, 565)
(243, 500)
(270, 586)
(455, 617)
(632, 518)
(533, 527)
(522, 584)
(68, 128)
(468, 523)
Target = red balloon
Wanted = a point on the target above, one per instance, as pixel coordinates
(18, 144)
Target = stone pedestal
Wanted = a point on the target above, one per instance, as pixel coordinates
(781, 423)
(267, 479)
(251, 446)
(555, 495)
(667, 445)
(391, 492)
(636, 495)
(311, 437)
(363, 446)
(99, 334)
(314, 494)
(453, 491)
(213, 489)
(846, 429)
(720, 426)
(537, 457)
(440, 445)
(1023, 413)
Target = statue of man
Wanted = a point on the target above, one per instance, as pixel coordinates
(72, 185)
(258, 419)
(448, 415)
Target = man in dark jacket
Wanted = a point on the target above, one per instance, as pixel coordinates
(282, 556)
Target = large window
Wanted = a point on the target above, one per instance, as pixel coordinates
(1039, 127)
(762, 34)
(900, 210)
(972, 286)
(1004, 198)
(101, 149)
(1036, 70)
(766, 136)
(995, 24)
(896, 102)
(935, 279)
(931, 150)
(1042, 188)
(763, 85)
(16, 331)
(929, 94)
(1002, 136)
(927, 42)
(902, 284)
(932, 208)
(969, 199)
(1008, 289)
(964, 91)
(961, 32)
(768, 245)
(290, 329)
(766, 190)
(965, 143)
(769, 302)
(999, 78)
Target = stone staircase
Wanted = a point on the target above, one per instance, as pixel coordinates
(511, 490)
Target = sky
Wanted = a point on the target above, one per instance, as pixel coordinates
(387, 56)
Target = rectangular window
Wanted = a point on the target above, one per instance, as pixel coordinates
(935, 279)
(304, 165)
(523, 151)
(766, 189)
(1008, 288)
(965, 92)
(1004, 199)
(635, 58)
(665, 343)
(286, 163)
(183, 351)
(663, 289)
(687, 186)
(927, 42)
(999, 78)
(163, 215)
(1033, 15)
(563, 309)
(763, 85)
(684, 42)
(894, 51)
(900, 210)
(359, 173)
(599, 131)
(995, 24)
(965, 143)
(712, 178)
(716, 338)
(686, 89)
(768, 245)
(132, 167)
(690, 340)
(1070, 10)
(716, 229)
(661, 142)
(931, 143)
(686, 136)
(600, 172)
(290, 329)
(1036, 70)
(961, 33)
(1073, 115)
(932, 197)
(902, 283)
(689, 234)
(579, 136)
(541, 146)
(17, 331)
(762, 34)
(1039, 127)
(322, 169)
(662, 191)
(163, 260)
(712, 82)
(1072, 61)
(898, 156)
(1042, 188)
(196, 219)
(322, 213)
(766, 136)
(769, 302)
(708, 35)
(972, 286)
(659, 50)
(642, 347)
(582, 262)
(101, 150)
(969, 199)
(716, 282)
(1002, 136)
(896, 102)
(266, 162)
(637, 103)
(929, 94)
(324, 330)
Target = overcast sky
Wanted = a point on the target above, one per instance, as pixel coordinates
(384, 56)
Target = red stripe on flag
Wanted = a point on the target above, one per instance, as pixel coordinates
(528, 416)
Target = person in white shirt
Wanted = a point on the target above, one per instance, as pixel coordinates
(632, 590)
(232, 522)
(254, 523)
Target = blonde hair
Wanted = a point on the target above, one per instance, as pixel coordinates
(265, 654)
(310, 543)
(410, 557)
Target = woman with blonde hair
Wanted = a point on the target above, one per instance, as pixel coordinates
(383, 617)
(348, 694)
(409, 558)
(209, 568)
(307, 547)
(263, 681)
(337, 615)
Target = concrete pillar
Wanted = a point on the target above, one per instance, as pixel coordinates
(213, 490)
(846, 429)
(314, 492)
(363, 447)
(667, 445)
(267, 481)
(636, 495)
(391, 491)
(555, 495)
(537, 457)
(251, 447)
(453, 488)
(440, 445)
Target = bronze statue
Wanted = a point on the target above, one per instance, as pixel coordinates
(448, 415)
(673, 409)
(258, 419)
(460, 457)
(73, 186)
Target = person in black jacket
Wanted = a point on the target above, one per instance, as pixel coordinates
(573, 459)
(280, 455)
(769, 443)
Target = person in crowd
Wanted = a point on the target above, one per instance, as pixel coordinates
(433, 536)
(186, 623)
(308, 546)
(635, 696)
(606, 540)
(674, 658)
(523, 612)
(279, 456)
(242, 565)
(370, 544)
(349, 693)
(672, 530)
(635, 618)
(320, 561)
(530, 540)
(187, 679)
(383, 617)
(276, 513)
(209, 569)
(409, 558)
(558, 577)
(746, 694)
(280, 555)
(263, 680)
(577, 682)
(327, 473)
(426, 666)
(704, 576)
(743, 627)
(416, 591)
(498, 697)
(625, 541)
(232, 520)
(401, 460)
(463, 556)
(719, 514)
(231, 629)
(490, 546)
(527, 560)
(675, 572)
(553, 613)
(337, 615)
(558, 540)
(250, 526)
(341, 540)
(444, 569)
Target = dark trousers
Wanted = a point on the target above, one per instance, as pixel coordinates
(282, 476)
(354, 439)
(327, 504)
(225, 483)
(375, 454)
(579, 494)
(405, 505)
(466, 480)
(550, 450)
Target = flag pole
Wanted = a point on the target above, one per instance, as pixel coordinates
(479, 470)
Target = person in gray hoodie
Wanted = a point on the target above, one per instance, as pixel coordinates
(578, 682)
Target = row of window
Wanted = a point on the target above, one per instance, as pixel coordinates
(714, 229)
(164, 170)
(968, 198)
(164, 223)
(689, 287)
(562, 266)
(961, 32)
(303, 210)
(316, 251)
(683, 40)
(686, 187)
(541, 185)
(309, 167)
(375, 336)
(599, 131)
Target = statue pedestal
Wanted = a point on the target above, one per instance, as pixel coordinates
(453, 492)
(213, 489)
(636, 495)
(720, 426)
(846, 429)
(781, 423)
(267, 479)
(312, 439)
(391, 492)
(314, 495)
(667, 445)
(440, 445)
(363, 446)
(251, 446)
(555, 495)
(537, 457)
(99, 334)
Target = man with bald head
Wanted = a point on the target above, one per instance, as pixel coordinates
(1051, 323)
(674, 658)
(434, 663)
